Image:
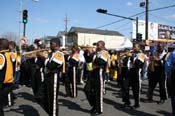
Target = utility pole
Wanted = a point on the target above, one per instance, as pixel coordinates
(20, 22)
(66, 23)
(137, 25)
(146, 19)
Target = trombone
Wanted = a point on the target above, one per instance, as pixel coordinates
(35, 53)
(4, 51)
(125, 53)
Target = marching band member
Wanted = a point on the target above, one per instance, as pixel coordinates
(137, 63)
(81, 66)
(17, 69)
(114, 65)
(16, 59)
(100, 62)
(48, 93)
(157, 75)
(71, 79)
(6, 73)
(126, 65)
(38, 68)
(89, 55)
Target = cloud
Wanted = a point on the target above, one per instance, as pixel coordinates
(41, 20)
(129, 4)
(172, 16)
(169, 17)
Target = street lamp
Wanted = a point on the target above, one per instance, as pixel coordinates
(104, 11)
(146, 5)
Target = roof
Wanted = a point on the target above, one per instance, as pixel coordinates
(48, 37)
(60, 33)
(94, 31)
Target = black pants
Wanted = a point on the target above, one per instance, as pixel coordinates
(71, 82)
(26, 73)
(36, 81)
(47, 95)
(173, 105)
(8, 94)
(1, 103)
(125, 85)
(4, 91)
(98, 89)
(134, 82)
(157, 77)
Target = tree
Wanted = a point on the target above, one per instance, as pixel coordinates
(11, 36)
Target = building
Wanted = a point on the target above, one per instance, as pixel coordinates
(46, 40)
(85, 36)
(62, 36)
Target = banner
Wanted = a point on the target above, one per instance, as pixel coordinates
(166, 32)
(152, 30)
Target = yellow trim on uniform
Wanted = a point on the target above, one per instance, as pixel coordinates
(76, 57)
(9, 69)
(64, 68)
(2, 61)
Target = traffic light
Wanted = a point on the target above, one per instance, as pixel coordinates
(139, 37)
(102, 11)
(25, 16)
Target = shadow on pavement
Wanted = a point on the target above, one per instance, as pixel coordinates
(27, 96)
(26, 110)
(72, 105)
(62, 94)
(164, 113)
(112, 84)
(129, 111)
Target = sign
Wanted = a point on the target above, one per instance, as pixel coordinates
(152, 30)
(166, 32)
(24, 41)
(155, 31)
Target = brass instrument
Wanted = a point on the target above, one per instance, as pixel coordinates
(125, 53)
(35, 53)
(87, 46)
(4, 51)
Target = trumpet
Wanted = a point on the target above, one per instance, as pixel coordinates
(125, 53)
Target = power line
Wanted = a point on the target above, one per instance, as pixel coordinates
(119, 20)
(162, 8)
(127, 28)
(121, 26)
(162, 18)
(134, 16)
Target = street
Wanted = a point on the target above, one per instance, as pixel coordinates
(25, 104)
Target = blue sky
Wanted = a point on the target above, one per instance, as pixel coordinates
(46, 17)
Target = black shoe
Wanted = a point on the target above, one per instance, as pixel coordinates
(126, 105)
(149, 101)
(161, 102)
(93, 110)
(98, 113)
(135, 107)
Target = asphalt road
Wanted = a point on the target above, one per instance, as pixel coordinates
(25, 104)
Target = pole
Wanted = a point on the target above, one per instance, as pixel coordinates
(137, 26)
(66, 20)
(20, 21)
(146, 20)
(119, 16)
(24, 32)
